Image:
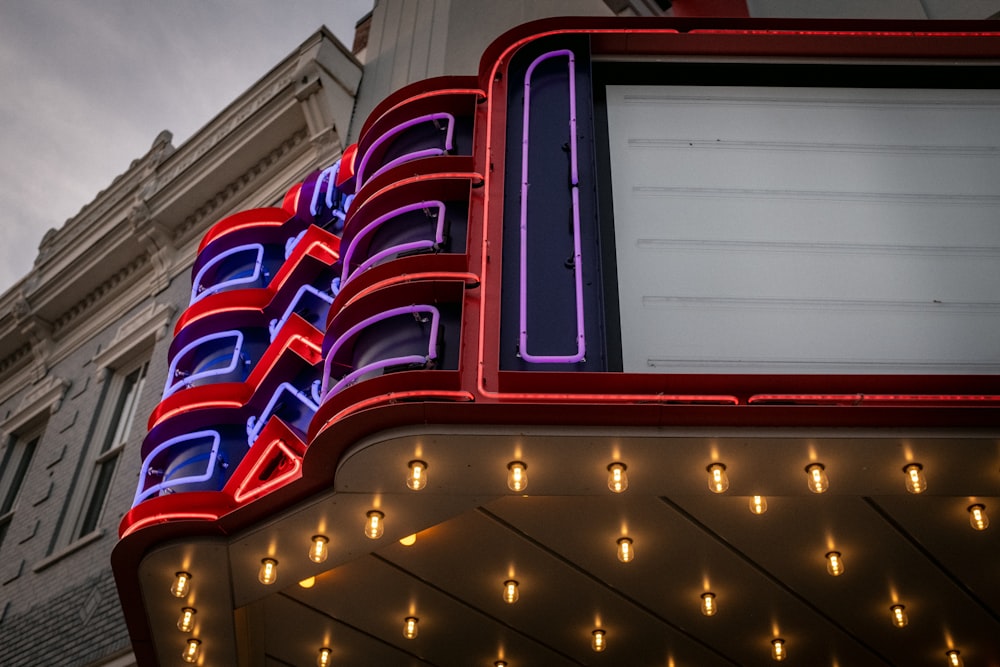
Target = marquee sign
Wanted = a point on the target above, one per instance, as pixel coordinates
(566, 241)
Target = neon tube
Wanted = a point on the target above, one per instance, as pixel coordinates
(581, 344)
(408, 359)
(403, 247)
(859, 399)
(274, 326)
(241, 494)
(427, 152)
(145, 472)
(187, 380)
(481, 387)
(256, 424)
(198, 291)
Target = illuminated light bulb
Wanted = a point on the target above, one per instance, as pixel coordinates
(916, 482)
(416, 478)
(718, 480)
(308, 582)
(899, 617)
(500, 663)
(625, 551)
(510, 591)
(319, 551)
(374, 525)
(325, 657)
(517, 476)
(181, 585)
(834, 563)
(598, 642)
(778, 651)
(818, 481)
(708, 606)
(410, 627)
(409, 540)
(978, 518)
(955, 658)
(758, 504)
(268, 571)
(617, 479)
(186, 622)
(191, 650)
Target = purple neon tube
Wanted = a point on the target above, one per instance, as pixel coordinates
(404, 247)
(327, 392)
(427, 152)
(581, 345)
(141, 493)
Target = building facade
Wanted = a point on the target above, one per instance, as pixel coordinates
(88, 341)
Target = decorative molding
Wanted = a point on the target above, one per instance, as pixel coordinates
(247, 178)
(46, 395)
(156, 240)
(10, 573)
(144, 328)
(95, 295)
(42, 495)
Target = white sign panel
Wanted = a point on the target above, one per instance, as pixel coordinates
(807, 230)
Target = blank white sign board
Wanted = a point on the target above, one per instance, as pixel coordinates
(807, 230)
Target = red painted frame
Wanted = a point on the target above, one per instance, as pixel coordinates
(480, 393)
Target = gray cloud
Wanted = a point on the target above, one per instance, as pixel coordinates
(87, 86)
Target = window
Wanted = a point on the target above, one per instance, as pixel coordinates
(13, 470)
(121, 405)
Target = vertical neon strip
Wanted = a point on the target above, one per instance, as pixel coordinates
(575, 191)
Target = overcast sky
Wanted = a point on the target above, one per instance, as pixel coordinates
(86, 85)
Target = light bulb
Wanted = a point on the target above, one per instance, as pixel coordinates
(708, 607)
(818, 481)
(597, 640)
(718, 480)
(375, 524)
(978, 518)
(308, 582)
(186, 622)
(617, 479)
(268, 571)
(409, 540)
(510, 592)
(410, 627)
(500, 663)
(416, 478)
(517, 476)
(324, 659)
(955, 658)
(778, 649)
(899, 617)
(319, 551)
(834, 563)
(181, 585)
(758, 504)
(916, 482)
(625, 551)
(191, 650)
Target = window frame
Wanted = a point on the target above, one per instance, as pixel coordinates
(121, 399)
(24, 445)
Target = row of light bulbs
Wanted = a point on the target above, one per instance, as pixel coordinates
(180, 588)
(517, 481)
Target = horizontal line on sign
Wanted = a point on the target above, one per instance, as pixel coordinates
(826, 304)
(938, 198)
(770, 364)
(803, 100)
(826, 248)
(813, 147)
